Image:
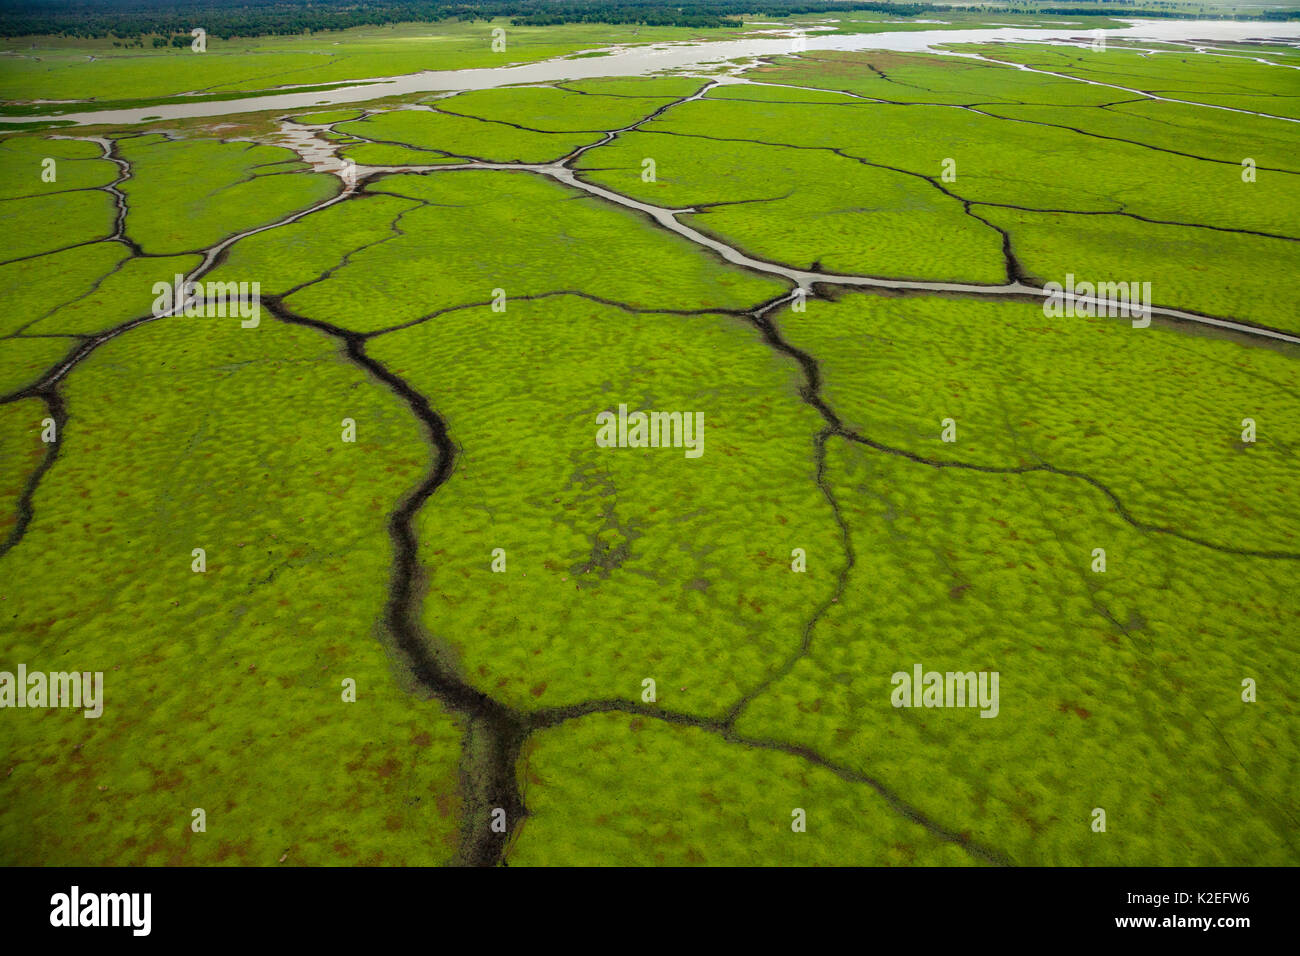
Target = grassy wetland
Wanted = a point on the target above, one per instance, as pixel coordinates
(376, 570)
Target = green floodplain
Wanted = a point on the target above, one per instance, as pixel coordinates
(564, 653)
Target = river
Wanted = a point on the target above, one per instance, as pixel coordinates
(642, 60)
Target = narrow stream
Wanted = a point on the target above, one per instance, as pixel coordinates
(321, 154)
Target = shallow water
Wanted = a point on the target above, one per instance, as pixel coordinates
(642, 60)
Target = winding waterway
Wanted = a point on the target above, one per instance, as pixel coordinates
(496, 732)
(642, 60)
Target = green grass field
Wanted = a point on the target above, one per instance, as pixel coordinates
(78, 70)
(636, 655)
